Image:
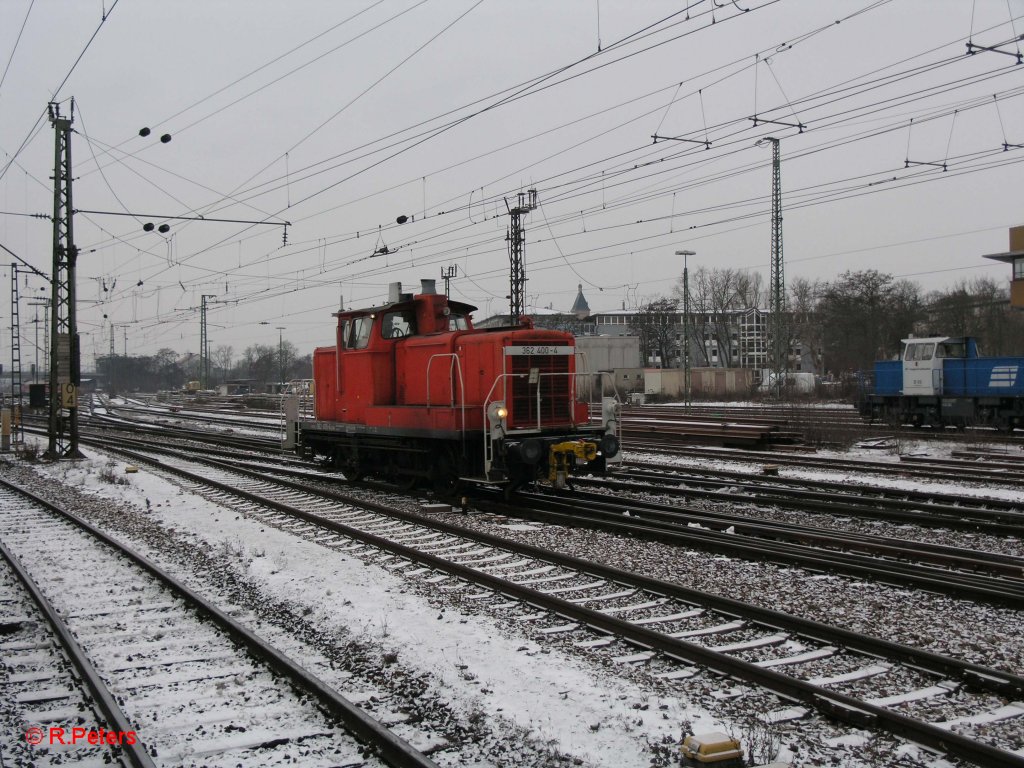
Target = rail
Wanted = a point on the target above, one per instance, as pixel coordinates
(841, 706)
(104, 700)
(393, 750)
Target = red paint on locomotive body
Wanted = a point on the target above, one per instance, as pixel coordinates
(408, 384)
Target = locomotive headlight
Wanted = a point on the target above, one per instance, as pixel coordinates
(496, 413)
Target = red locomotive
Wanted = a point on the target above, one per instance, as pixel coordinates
(411, 390)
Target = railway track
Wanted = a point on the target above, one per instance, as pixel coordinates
(780, 426)
(189, 683)
(1000, 517)
(927, 468)
(949, 570)
(261, 420)
(957, 572)
(46, 681)
(105, 423)
(938, 701)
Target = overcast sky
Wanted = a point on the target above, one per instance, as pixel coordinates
(339, 117)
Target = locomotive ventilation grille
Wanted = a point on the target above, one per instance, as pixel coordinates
(555, 405)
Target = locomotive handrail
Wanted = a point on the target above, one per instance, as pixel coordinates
(488, 448)
(488, 399)
(572, 391)
(462, 387)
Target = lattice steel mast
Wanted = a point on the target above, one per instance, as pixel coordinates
(204, 346)
(18, 429)
(778, 335)
(516, 248)
(65, 368)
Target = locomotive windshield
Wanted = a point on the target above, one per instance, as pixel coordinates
(919, 351)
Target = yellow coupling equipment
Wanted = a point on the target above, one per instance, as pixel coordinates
(560, 454)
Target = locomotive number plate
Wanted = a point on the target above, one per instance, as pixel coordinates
(539, 349)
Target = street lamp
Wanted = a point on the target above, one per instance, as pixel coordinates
(686, 326)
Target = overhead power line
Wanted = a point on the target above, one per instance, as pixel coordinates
(7, 67)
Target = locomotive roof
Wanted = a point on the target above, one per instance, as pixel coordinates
(937, 339)
(455, 306)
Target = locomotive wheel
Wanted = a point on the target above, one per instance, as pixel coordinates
(444, 475)
(511, 489)
(356, 471)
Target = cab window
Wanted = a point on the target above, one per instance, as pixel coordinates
(457, 323)
(952, 349)
(398, 325)
(357, 334)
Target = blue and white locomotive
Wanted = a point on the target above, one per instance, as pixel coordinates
(942, 381)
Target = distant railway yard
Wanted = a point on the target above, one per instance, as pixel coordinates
(828, 593)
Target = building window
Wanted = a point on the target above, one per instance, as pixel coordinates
(1018, 269)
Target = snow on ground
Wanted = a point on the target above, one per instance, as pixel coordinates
(478, 664)
(475, 663)
(168, 413)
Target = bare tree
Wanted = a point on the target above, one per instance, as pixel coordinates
(655, 324)
(977, 308)
(864, 315)
(302, 367)
(260, 360)
(805, 325)
(168, 368)
(223, 356)
(286, 354)
(701, 312)
(749, 289)
(716, 297)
